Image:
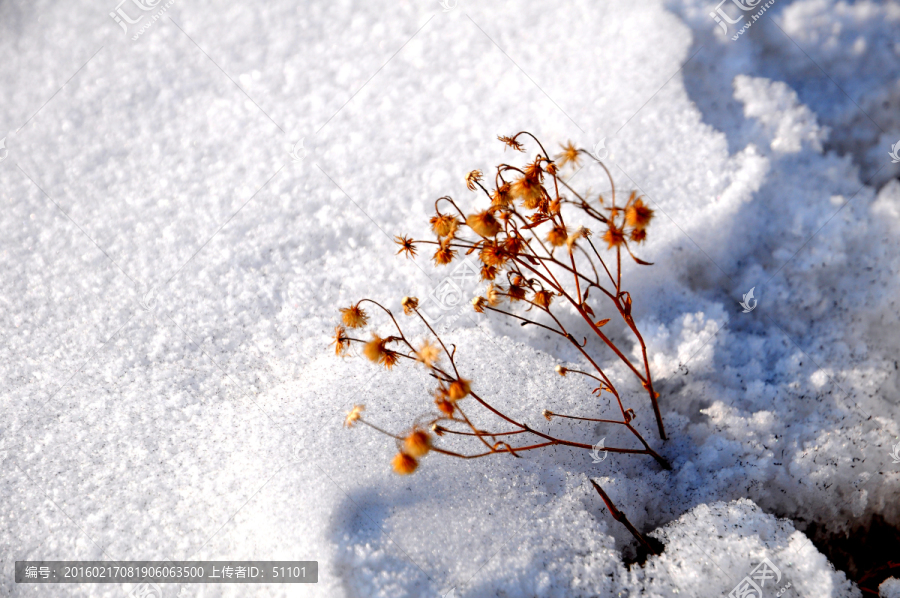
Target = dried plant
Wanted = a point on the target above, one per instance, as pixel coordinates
(531, 258)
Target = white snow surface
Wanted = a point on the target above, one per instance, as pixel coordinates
(890, 588)
(171, 277)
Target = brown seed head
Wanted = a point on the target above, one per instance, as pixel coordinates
(578, 234)
(404, 464)
(406, 246)
(557, 236)
(543, 299)
(613, 236)
(478, 304)
(515, 292)
(528, 191)
(341, 342)
(484, 223)
(354, 415)
(638, 235)
(444, 255)
(510, 142)
(533, 171)
(428, 353)
(390, 359)
(488, 272)
(569, 155)
(494, 294)
(638, 215)
(354, 316)
(445, 406)
(562, 371)
(492, 254)
(374, 349)
(472, 179)
(417, 444)
(548, 415)
(443, 225)
(501, 195)
(409, 305)
(459, 389)
(513, 244)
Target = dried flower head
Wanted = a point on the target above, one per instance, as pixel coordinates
(444, 255)
(543, 298)
(459, 389)
(548, 415)
(501, 195)
(484, 223)
(638, 235)
(513, 244)
(353, 415)
(515, 292)
(492, 254)
(578, 234)
(569, 155)
(444, 225)
(445, 406)
(557, 236)
(488, 272)
(428, 353)
(528, 191)
(638, 215)
(354, 316)
(374, 349)
(613, 236)
(494, 294)
(472, 180)
(406, 246)
(410, 304)
(390, 359)
(404, 464)
(417, 444)
(533, 171)
(561, 370)
(510, 142)
(341, 342)
(478, 304)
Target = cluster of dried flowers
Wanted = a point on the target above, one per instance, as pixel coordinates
(530, 257)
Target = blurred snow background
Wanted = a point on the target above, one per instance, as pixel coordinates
(170, 277)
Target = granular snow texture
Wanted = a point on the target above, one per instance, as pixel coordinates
(173, 260)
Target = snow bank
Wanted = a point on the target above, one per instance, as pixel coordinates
(203, 420)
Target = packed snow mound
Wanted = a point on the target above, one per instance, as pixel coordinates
(890, 588)
(748, 543)
(171, 284)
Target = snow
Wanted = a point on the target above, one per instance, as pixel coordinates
(890, 588)
(171, 277)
